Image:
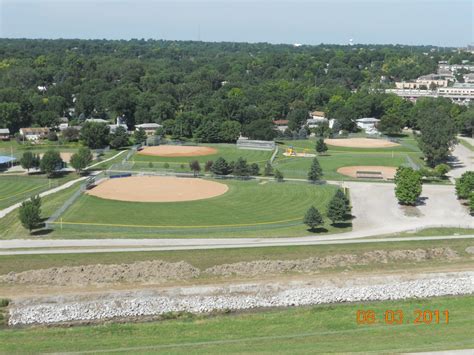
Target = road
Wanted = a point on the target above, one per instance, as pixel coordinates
(131, 245)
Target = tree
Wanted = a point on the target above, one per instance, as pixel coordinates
(195, 167)
(139, 136)
(220, 167)
(260, 129)
(438, 134)
(342, 196)
(29, 161)
(81, 159)
(254, 169)
(208, 165)
(315, 171)
(268, 171)
(390, 124)
(241, 168)
(229, 131)
(70, 134)
(95, 135)
(278, 175)
(408, 185)
(52, 136)
(465, 185)
(471, 202)
(30, 214)
(312, 218)
(119, 138)
(51, 162)
(321, 147)
(441, 170)
(337, 209)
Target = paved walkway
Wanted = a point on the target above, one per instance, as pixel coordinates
(462, 161)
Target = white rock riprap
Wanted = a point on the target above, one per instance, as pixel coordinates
(208, 299)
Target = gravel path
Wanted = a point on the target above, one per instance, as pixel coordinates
(204, 299)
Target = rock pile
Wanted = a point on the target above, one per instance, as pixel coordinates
(225, 298)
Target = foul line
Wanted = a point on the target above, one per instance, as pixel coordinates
(148, 226)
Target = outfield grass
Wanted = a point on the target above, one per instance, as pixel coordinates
(227, 151)
(248, 208)
(330, 328)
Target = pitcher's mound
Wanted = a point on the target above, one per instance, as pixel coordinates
(177, 151)
(368, 171)
(157, 189)
(361, 143)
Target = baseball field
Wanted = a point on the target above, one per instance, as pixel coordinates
(163, 206)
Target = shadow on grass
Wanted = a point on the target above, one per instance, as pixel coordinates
(317, 230)
(41, 232)
(342, 224)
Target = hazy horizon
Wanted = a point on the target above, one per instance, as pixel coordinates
(416, 22)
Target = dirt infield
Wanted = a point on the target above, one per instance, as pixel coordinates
(361, 143)
(65, 156)
(177, 151)
(388, 172)
(157, 189)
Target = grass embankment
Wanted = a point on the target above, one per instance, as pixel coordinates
(466, 144)
(330, 328)
(203, 259)
(249, 208)
(432, 232)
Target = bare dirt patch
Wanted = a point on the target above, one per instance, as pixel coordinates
(361, 143)
(177, 151)
(388, 172)
(157, 189)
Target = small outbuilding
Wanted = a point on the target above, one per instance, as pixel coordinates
(4, 134)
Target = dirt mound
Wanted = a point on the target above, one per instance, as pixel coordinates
(157, 189)
(259, 267)
(361, 143)
(177, 151)
(386, 172)
(143, 271)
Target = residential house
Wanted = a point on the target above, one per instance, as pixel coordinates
(368, 124)
(34, 133)
(281, 125)
(149, 128)
(4, 134)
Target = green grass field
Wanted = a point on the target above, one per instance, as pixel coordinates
(16, 188)
(249, 208)
(329, 328)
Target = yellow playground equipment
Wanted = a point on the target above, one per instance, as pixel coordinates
(290, 151)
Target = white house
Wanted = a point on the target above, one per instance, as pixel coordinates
(4, 134)
(97, 120)
(316, 118)
(368, 124)
(149, 128)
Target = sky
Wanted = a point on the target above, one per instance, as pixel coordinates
(435, 22)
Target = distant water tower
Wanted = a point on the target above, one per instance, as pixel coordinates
(351, 42)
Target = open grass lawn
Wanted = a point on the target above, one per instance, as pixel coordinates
(248, 208)
(330, 328)
(16, 188)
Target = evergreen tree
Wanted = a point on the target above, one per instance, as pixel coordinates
(119, 138)
(471, 202)
(337, 209)
(321, 147)
(220, 167)
(241, 168)
(315, 172)
(278, 175)
(342, 196)
(313, 218)
(139, 136)
(254, 169)
(268, 171)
